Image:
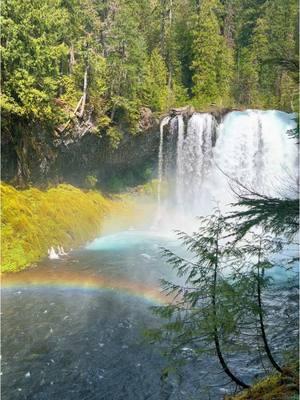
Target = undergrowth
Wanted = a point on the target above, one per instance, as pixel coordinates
(34, 220)
(273, 387)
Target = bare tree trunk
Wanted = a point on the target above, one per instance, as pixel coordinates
(72, 58)
(171, 12)
(169, 61)
(170, 78)
(85, 84)
(162, 27)
(261, 317)
(238, 66)
(216, 335)
(225, 366)
(61, 130)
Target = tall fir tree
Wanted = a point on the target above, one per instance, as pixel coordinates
(212, 58)
(156, 82)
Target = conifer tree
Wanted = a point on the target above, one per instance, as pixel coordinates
(212, 58)
(155, 84)
(255, 283)
(126, 57)
(266, 32)
(83, 61)
(201, 314)
(259, 247)
(206, 41)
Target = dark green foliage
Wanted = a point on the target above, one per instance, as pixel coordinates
(219, 295)
(129, 54)
(212, 62)
(273, 214)
(204, 312)
(266, 32)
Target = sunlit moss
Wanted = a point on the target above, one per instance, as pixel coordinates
(34, 220)
(274, 387)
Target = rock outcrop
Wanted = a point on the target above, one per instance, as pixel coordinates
(38, 155)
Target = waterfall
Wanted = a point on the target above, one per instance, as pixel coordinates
(193, 159)
(163, 123)
(254, 149)
(180, 164)
(248, 147)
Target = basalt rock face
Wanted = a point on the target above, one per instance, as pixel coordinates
(27, 154)
(92, 155)
(32, 154)
(39, 155)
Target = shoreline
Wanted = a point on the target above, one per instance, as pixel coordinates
(34, 220)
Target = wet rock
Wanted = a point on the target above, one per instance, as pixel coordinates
(33, 154)
(187, 111)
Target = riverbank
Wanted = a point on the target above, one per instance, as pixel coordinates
(34, 220)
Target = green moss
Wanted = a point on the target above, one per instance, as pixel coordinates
(273, 387)
(34, 220)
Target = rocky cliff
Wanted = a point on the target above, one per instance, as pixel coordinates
(38, 155)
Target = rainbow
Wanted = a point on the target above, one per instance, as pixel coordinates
(74, 280)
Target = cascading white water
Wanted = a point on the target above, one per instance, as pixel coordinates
(193, 159)
(180, 164)
(163, 123)
(254, 149)
(250, 147)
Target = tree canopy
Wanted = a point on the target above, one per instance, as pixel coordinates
(105, 60)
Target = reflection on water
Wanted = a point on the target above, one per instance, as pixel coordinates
(72, 328)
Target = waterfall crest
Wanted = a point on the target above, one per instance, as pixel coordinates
(250, 147)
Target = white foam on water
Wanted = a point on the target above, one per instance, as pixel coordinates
(52, 255)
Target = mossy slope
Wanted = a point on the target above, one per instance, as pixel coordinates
(33, 220)
(273, 387)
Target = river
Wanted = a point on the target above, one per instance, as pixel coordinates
(73, 328)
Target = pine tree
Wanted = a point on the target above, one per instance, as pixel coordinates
(212, 57)
(183, 37)
(126, 56)
(277, 215)
(258, 247)
(33, 50)
(202, 312)
(206, 40)
(155, 84)
(247, 88)
(266, 37)
(256, 278)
